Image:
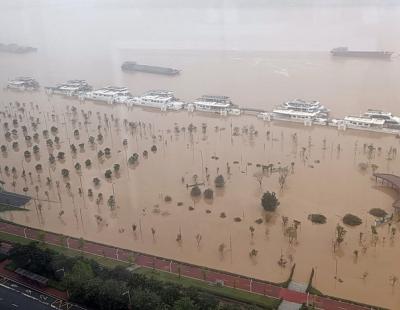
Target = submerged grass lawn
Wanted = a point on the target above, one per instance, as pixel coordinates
(227, 292)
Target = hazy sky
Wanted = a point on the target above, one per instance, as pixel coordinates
(222, 25)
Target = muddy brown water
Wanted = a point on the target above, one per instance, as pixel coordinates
(326, 179)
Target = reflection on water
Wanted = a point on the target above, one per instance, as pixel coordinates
(325, 176)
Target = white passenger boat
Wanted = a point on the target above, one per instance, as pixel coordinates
(359, 123)
(70, 88)
(107, 94)
(305, 106)
(391, 121)
(221, 105)
(23, 84)
(266, 116)
(307, 118)
(159, 99)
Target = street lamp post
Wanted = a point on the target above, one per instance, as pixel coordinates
(129, 297)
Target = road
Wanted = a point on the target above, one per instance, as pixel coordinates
(17, 295)
(187, 270)
(11, 299)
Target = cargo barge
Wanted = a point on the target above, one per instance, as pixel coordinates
(131, 66)
(16, 49)
(345, 52)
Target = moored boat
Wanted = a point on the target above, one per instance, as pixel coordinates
(159, 99)
(132, 66)
(16, 49)
(107, 94)
(391, 121)
(344, 51)
(307, 118)
(70, 88)
(305, 106)
(23, 84)
(221, 105)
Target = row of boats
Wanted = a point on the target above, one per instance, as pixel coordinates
(307, 112)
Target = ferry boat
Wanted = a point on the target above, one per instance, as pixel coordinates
(23, 83)
(70, 88)
(391, 121)
(159, 99)
(107, 94)
(214, 104)
(305, 106)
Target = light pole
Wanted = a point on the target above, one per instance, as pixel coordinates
(61, 269)
(129, 297)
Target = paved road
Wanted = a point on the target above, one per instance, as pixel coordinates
(10, 299)
(187, 270)
(17, 295)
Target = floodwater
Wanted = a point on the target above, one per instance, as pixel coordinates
(259, 55)
(326, 179)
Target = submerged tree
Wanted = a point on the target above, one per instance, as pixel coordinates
(133, 159)
(340, 233)
(61, 155)
(91, 140)
(269, 201)
(253, 253)
(111, 202)
(78, 167)
(108, 174)
(252, 229)
(196, 191)
(219, 181)
(208, 194)
(65, 173)
(198, 239)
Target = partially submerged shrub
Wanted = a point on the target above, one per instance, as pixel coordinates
(269, 201)
(317, 218)
(208, 193)
(219, 181)
(195, 192)
(377, 212)
(351, 220)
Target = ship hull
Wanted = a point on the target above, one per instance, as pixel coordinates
(134, 67)
(363, 54)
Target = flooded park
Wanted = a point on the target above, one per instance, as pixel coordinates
(147, 181)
